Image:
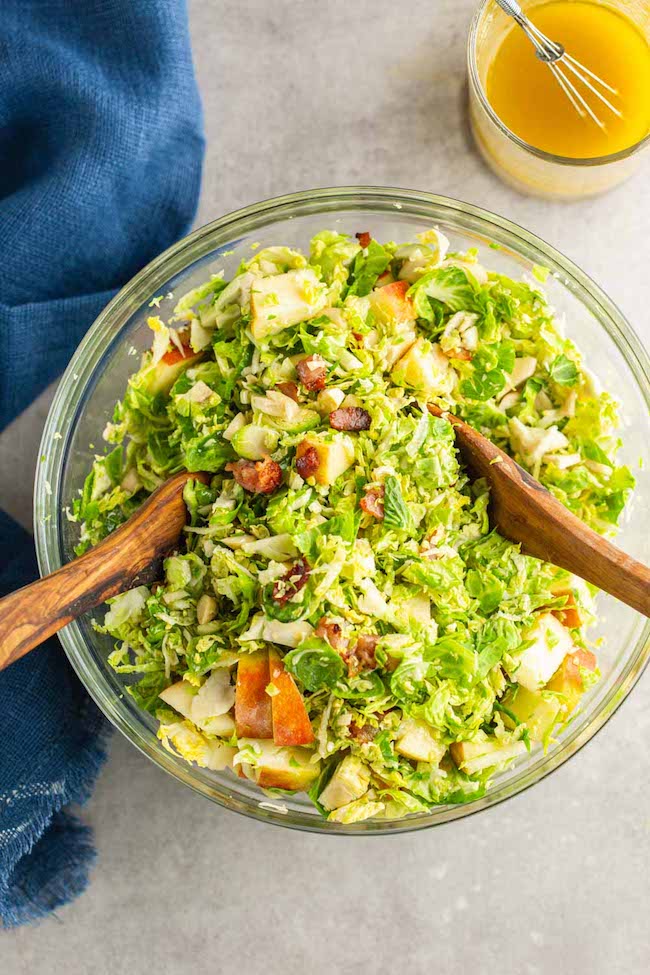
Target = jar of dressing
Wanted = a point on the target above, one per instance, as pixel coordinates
(523, 123)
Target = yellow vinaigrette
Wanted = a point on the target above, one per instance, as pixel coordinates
(527, 98)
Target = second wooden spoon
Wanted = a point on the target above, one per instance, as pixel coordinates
(525, 512)
(130, 556)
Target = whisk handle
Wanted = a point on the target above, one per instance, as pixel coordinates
(512, 7)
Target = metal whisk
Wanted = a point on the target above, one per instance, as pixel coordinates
(553, 54)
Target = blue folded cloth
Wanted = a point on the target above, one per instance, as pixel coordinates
(101, 145)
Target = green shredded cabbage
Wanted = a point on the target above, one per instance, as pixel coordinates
(367, 563)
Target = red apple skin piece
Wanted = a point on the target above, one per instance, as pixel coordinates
(392, 300)
(253, 712)
(293, 780)
(175, 355)
(569, 615)
(291, 725)
(567, 679)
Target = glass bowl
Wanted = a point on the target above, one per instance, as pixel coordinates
(97, 376)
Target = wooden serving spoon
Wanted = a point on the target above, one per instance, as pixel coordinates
(521, 509)
(131, 556)
(524, 511)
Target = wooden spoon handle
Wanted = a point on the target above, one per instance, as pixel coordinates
(131, 556)
(549, 531)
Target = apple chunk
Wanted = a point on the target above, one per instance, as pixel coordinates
(569, 615)
(291, 725)
(276, 767)
(474, 756)
(333, 456)
(538, 712)
(253, 714)
(283, 300)
(165, 373)
(549, 643)
(390, 304)
(568, 679)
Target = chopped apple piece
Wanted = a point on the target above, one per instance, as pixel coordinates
(180, 697)
(350, 781)
(165, 373)
(418, 741)
(474, 756)
(282, 300)
(334, 457)
(195, 746)
(550, 644)
(538, 712)
(276, 767)
(215, 697)
(286, 634)
(329, 400)
(568, 680)
(390, 304)
(569, 615)
(425, 367)
(253, 714)
(291, 725)
(221, 725)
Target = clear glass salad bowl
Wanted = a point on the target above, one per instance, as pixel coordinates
(97, 376)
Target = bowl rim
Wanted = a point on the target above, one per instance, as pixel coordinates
(475, 81)
(95, 345)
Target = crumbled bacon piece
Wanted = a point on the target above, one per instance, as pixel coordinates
(362, 655)
(292, 582)
(364, 238)
(350, 418)
(260, 477)
(312, 372)
(372, 503)
(328, 630)
(307, 464)
(364, 734)
(288, 389)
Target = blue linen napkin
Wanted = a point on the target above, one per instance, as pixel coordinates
(101, 145)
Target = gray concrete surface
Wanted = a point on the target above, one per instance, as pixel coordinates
(556, 881)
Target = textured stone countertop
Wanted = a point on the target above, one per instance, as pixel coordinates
(309, 94)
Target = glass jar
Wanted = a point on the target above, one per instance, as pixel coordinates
(524, 167)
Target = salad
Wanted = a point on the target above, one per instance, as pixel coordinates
(340, 618)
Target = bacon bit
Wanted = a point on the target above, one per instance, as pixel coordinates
(364, 238)
(350, 418)
(358, 336)
(308, 463)
(362, 735)
(362, 655)
(292, 582)
(312, 372)
(391, 665)
(288, 389)
(568, 615)
(372, 503)
(260, 477)
(330, 631)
